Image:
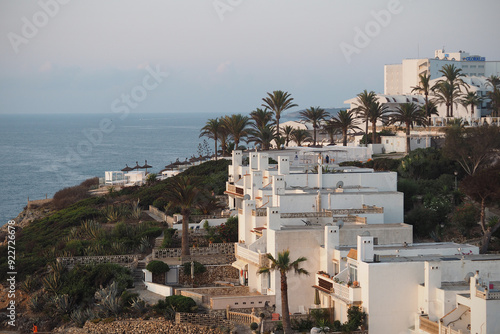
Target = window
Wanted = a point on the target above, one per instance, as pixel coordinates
(353, 273)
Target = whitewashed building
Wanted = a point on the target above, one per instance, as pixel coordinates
(348, 223)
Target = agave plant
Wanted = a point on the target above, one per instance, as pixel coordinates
(29, 284)
(52, 282)
(139, 305)
(111, 214)
(62, 303)
(36, 303)
(79, 317)
(91, 229)
(108, 301)
(136, 210)
(144, 244)
(56, 267)
(119, 248)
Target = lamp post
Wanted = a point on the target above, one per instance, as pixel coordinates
(456, 173)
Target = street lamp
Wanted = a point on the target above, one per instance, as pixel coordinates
(456, 173)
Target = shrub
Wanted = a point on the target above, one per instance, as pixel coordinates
(464, 218)
(254, 326)
(67, 196)
(90, 183)
(198, 268)
(157, 267)
(181, 303)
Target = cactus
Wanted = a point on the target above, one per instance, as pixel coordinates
(108, 300)
(62, 303)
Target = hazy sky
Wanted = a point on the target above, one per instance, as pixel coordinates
(63, 56)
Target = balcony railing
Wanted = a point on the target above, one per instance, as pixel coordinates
(248, 255)
(428, 326)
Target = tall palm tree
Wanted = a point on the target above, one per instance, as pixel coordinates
(408, 114)
(363, 104)
(237, 127)
(300, 135)
(211, 130)
(445, 93)
(453, 76)
(261, 118)
(494, 95)
(423, 88)
(262, 136)
(314, 115)
(345, 121)
(377, 111)
(283, 264)
(331, 129)
(287, 133)
(429, 109)
(471, 99)
(278, 102)
(183, 192)
(223, 135)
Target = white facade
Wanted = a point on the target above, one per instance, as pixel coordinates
(400, 78)
(348, 223)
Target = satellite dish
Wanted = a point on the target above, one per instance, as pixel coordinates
(340, 184)
(365, 234)
(468, 276)
(246, 197)
(340, 223)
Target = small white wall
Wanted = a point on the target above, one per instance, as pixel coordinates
(163, 290)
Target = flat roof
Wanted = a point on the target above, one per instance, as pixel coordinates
(440, 258)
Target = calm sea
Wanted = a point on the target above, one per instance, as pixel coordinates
(41, 154)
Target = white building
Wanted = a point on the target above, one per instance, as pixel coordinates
(348, 223)
(400, 78)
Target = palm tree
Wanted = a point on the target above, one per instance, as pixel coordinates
(287, 133)
(183, 192)
(300, 135)
(429, 109)
(495, 102)
(494, 96)
(278, 102)
(223, 135)
(471, 99)
(262, 136)
(261, 118)
(364, 103)
(314, 115)
(445, 93)
(283, 264)
(377, 111)
(211, 130)
(453, 76)
(237, 127)
(423, 88)
(331, 129)
(345, 121)
(409, 114)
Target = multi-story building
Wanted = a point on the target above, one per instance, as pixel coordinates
(400, 78)
(348, 223)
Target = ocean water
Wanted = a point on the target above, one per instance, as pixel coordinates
(41, 154)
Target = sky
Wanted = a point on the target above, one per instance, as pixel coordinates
(167, 56)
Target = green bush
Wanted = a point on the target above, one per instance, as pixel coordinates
(157, 267)
(198, 268)
(254, 326)
(464, 218)
(181, 303)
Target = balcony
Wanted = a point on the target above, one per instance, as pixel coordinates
(338, 288)
(232, 189)
(247, 255)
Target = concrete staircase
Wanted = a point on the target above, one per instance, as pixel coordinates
(137, 274)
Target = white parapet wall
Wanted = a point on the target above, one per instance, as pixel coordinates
(160, 289)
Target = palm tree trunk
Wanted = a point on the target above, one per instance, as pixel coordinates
(374, 129)
(287, 326)
(408, 148)
(366, 132)
(277, 125)
(472, 110)
(451, 107)
(185, 233)
(215, 148)
(344, 137)
(427, 107)
(314, 135)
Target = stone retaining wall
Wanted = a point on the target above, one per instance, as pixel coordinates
(207, 320)
(129, 261)
(213, 274)
(139, 326)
